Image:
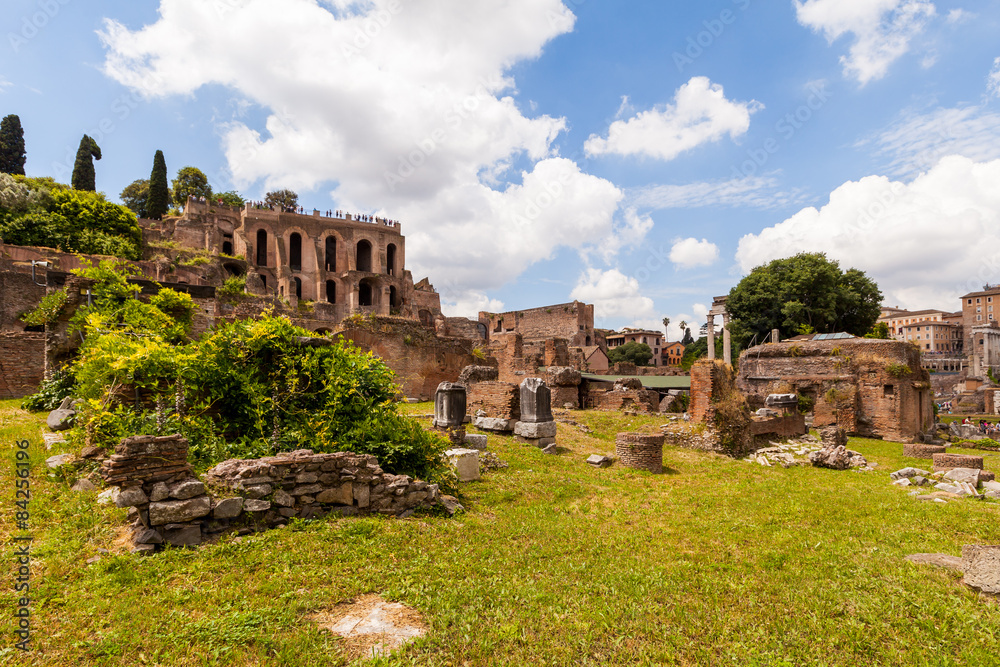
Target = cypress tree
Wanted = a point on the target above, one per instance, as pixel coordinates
(159, 192)
(12, 155)
(84, 177)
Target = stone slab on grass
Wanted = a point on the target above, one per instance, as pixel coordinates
(465, 462)
(981, 565)
(371, 626)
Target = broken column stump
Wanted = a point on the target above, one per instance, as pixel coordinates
(640, 451)
(450, 401)
(536, 426)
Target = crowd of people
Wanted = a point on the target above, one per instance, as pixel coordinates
(343, 215)
(985, 427)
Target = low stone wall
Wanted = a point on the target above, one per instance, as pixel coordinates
(945, 462)
(640, 451)
(921, 451)
(639, 400)
(22, 363)
(779, 428)
(170, 505)
(498, 400)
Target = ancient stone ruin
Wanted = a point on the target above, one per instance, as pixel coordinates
(536, 425)
(640, 451)
(168, 504)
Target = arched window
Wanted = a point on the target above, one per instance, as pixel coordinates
(364, 294)
(364, 256)
(298, 288)
(331, 253)
(295, 252)
(261, 247)
(331, 291)
(393, 297)
(390, 260)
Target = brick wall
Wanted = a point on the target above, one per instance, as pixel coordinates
(640, 451)
(572, 321)
(701, 392)
(499, 400)
(22, 363)
(18, 294)
(640, 400)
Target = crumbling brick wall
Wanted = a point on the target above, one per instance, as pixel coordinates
(638, 400)
(22, 363)
(499, 400)
(716, 402)
(571, 321)
(868, 387)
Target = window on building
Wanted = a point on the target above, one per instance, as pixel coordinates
(888, 390)
(364, 256)
(331, 254)
(298, 288)
(390, 259)
(331, 291)
(295, 251)
(261, 247)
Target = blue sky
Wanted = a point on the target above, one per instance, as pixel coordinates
(642, 157)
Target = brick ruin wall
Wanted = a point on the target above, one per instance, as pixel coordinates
(717, 403)
(640, 451)
(571, 321)
(635, 400)
(18, 295)
(22, 363)
(168, 504)
(420, 360)
(868, 387)
(499, 400)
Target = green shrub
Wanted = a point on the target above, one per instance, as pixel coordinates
(47, 310)
(897, 370)
(233, 289)
(51, 393)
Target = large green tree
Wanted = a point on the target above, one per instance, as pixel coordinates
(807, 290)
(232, 199)
(283, 199)
(84, 177)
(159, 192)
(190, 182)
(12, 155)
(634, 353)
(136, 197)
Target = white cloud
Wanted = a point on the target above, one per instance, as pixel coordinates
(993, 80)
(471, 303)
(613, 294)
(959, 16)
(700, 114)
(925, 242)
(882, 30)
(406, 107)
(4, 83)
(916, 142)
(689, 253)
(756, 192)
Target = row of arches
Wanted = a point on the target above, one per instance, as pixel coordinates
(362, 256)
(368, 292)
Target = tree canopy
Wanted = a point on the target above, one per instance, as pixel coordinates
(41, 212)
(807, 290)
(190, 182)
(159, 193)
(634, 353)
(12, 154)
(136, 197)
(84, 176)
(284, 199)
(232, 199)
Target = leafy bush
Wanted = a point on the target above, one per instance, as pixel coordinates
(51, 393)
(233, 289)
(41, 212)
(47, 310)
(898, 370)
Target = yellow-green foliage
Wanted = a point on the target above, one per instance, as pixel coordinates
(898, 370)
(47, 310)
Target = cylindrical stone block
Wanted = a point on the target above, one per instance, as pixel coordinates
(640, 451)
(920, 451)
(944, 462)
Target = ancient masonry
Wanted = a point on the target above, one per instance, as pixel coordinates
(640, 451)
(170, 505)
(868, 387)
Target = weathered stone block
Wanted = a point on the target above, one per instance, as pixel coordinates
(921, 451)
(189, 488)
(476, 442)
(160, 491)
(229, 508)
(147, 536)
(179, 511)
(307, 490)
(495, 425)
(465, 462)
(981, 565)
(599, 461)
(362, 494)
(131, 497)
(450, 402)
(340, 495)
(254, 505)
(967, 475)
(60, 420)
(536, 402)
(283, 499)
(258, 491)
(534, 430)
(945, 462)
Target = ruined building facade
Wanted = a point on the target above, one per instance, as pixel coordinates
(868, 387)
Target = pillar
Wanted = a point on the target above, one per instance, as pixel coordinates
(711, 336)
(727, 347)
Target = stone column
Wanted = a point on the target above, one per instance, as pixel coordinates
(727, 347)
(450, 404)
(537, 425)
(711, 336)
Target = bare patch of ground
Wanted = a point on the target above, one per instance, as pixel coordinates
(371, 626)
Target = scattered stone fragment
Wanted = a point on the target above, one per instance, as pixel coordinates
(58, 461)
(131, 497)
(465, 462)
(475, 441)
(143, 550)
(451, 505)
(967, 475)
(981, 565)
(107, 497)
(552, 449)
(599, 461)
(902, 482)
(83, 485)
(908, 473)
(60, 420)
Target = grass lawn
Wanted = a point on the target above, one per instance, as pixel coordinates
(716, 562)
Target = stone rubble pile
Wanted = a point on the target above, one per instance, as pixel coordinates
(952, 483)
(168, 504)
(809, 450)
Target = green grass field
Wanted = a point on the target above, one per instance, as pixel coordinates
(716, 562)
